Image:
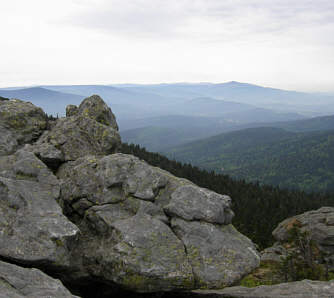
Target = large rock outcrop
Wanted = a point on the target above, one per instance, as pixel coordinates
(18, 282)
(146, 229)
(319, 224)
(91, 129)
(75, 208)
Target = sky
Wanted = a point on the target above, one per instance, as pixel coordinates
(275, 43)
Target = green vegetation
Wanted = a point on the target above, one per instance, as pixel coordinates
(3, 98)
(272, 156)
(301, 261)
(258, 208)
(266, 274)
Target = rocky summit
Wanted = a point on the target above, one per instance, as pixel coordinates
(73, 208)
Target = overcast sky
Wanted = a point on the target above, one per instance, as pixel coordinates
(278, 43)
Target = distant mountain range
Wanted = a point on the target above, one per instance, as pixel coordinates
(178, 113)
(233, 102)
(264, 97)
(52, 102)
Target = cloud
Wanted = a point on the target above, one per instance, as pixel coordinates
(203, 19)
(288, 44)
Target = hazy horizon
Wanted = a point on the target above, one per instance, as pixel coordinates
(328, 92)
(279, 44)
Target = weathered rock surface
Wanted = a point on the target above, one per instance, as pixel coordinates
(33, 229)
(298, 289)
(193, 203)
(95, 108)
(218, 254)
(128, 224)
(319, 224)
(18, 282)
(76, 136)
(20, 122)
(135, 236)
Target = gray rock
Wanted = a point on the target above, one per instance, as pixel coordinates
(275, 253)
(119, 203)
(95, 108)
(148, 256)
(33, 229)
(47, 153)
(318, 223)
(193, 203)
(78, 136)
(8, 141)
(20, 122)
(219, 254)
(18, 282)
(297, 289)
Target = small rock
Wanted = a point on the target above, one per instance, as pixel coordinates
(275, 253)
(18, 282)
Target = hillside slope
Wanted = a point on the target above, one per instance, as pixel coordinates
(269, 155)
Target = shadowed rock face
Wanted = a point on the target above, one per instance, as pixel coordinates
(125, 224)
(18, 282)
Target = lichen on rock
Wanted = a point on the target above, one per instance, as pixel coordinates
(20, 123)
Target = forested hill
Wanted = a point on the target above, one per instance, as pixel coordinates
(270, 155)
(258, 208)
(313, 124)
